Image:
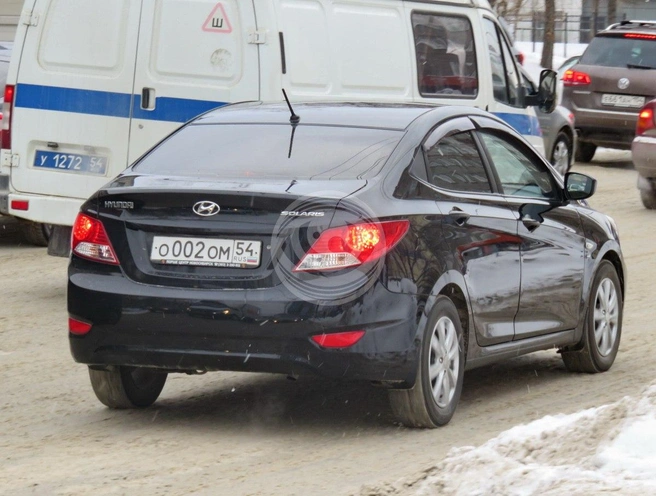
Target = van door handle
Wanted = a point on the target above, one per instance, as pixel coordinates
(459, 216)
(148, 99)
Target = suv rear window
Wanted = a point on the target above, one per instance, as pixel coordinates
(614, 51)
(272, 151)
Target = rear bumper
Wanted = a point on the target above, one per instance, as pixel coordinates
(644, 155)
(265, 330)
(606, 128)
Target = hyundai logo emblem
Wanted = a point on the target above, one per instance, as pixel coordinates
(206, 208)
(623, 83)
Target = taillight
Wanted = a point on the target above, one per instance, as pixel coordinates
(576, 78)
(89, 240)
(338, 339)
(7, 106)
(78, 326)
(639, 36)
(646, 120)
(349, 246)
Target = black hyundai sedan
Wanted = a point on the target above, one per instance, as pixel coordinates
(394, 244)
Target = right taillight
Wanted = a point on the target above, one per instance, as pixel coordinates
(646, 120)
(7, 106)
(576, 78)
(89, 240)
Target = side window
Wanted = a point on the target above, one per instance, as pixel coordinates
(505, 78)
(454, 163)
(446, 55)
(518, 172)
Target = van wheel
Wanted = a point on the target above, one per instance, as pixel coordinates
(585, 151)
(648, 197)
(561, 155)
(603, 325)
(433, 399)
(127, 387)
(35, 233)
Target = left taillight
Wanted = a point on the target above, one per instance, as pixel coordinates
(89, 240)
(352, 245)
(7, 106)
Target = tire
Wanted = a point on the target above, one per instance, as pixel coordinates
(585, 151)
(561, 154)
(603, 325)
(427, 405)
(648, 197)
(127, 387)
(35, 233)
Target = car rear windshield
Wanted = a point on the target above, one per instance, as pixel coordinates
(613, 51)
(272, 151)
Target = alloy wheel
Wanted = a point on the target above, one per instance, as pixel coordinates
(444, 362)
(606, 316)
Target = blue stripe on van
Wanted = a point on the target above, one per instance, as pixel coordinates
(528, 125)
(108, 103)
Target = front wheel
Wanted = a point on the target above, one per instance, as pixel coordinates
(433, 399)
(127, 387)
(561, 155)
(603, 325)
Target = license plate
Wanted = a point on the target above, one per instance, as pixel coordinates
(71, 162)
(208, 252)
(623, 100)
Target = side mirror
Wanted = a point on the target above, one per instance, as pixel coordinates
(579, 186)
(547, 91)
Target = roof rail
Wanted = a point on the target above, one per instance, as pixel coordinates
(632, 23)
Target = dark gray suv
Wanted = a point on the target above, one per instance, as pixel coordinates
(610, 84)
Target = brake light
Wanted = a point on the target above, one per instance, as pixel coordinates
(576, 78)
(639, 36)
(338, 339)
(349, 246)
(78, 327)
(89, 240)
(646, 121)
(7, 106)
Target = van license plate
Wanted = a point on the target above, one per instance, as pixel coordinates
(206, 252)
(623, 100)
(71, 162)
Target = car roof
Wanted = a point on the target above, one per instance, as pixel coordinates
(351, 114)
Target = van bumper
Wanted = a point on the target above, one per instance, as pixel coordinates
(42, 208)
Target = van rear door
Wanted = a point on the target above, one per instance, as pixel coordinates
(194, 55)
(70, 124)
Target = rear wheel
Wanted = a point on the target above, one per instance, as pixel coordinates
(561, 155)
(433, 399)
(585, 151)
(35, 233)
(127, 387)
(648, 197)
(603, 325)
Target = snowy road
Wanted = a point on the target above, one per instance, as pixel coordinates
(229, 433)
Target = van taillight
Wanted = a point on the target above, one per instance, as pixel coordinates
(576, 78)
(89, 240)
(7, 106)
(646, 120)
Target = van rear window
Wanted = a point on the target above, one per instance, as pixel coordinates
(272, 151)
(613, 51)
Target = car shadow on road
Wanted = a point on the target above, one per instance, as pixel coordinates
(263, 402)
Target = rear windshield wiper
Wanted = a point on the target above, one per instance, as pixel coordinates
(637, 66)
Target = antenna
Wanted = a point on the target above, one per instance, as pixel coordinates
(294, 119)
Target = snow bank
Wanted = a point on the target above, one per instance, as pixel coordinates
(607, 449)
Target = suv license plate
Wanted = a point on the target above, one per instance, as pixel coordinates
(71, 162)
(208, 252)
(623, 100)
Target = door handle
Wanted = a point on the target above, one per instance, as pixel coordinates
(530, 223)
(459, 216)
(148, 98)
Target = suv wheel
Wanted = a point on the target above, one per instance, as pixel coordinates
(127, 387)
(585, 152)
(561, 155)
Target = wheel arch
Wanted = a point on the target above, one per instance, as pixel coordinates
(613, 257)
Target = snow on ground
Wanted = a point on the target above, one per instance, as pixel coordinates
(609, 449)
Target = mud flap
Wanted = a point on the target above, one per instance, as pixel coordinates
(59, 244)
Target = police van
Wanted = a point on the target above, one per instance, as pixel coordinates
(94, 84)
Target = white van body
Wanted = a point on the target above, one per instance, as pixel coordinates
(97, 83)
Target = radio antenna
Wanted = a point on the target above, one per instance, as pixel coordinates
(294, 119)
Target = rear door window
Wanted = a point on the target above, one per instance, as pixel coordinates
(446, 55)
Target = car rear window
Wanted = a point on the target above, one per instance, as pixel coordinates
(613, 51)
(271, 151)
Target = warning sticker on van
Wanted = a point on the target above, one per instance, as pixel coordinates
(218, 22)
